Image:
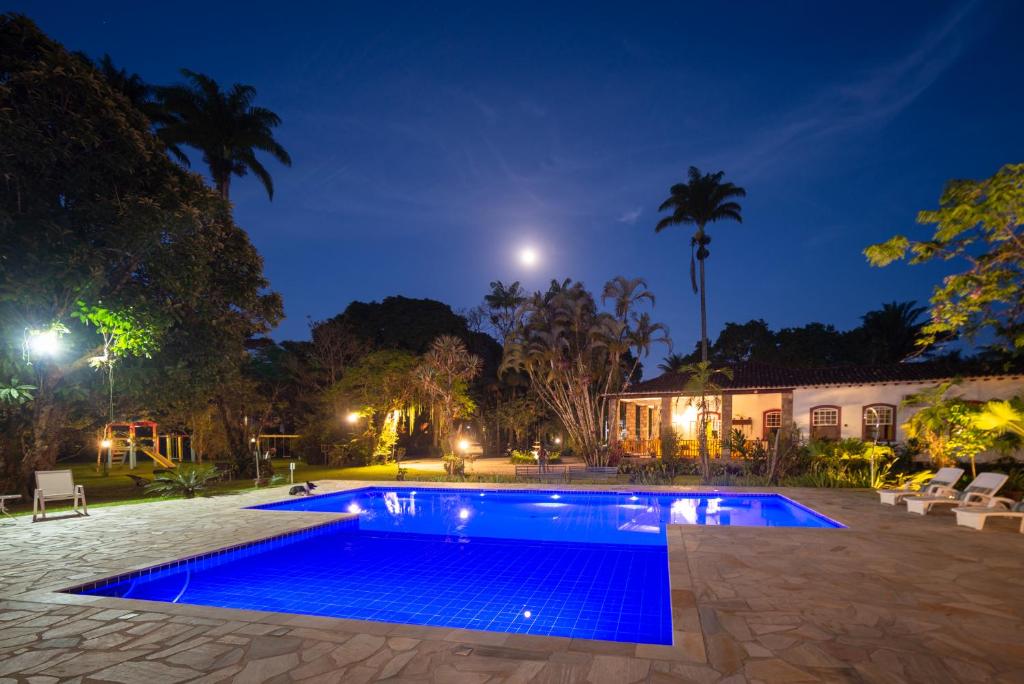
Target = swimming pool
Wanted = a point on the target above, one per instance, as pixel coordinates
(576, 564)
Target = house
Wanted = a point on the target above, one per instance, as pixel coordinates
(759, 399)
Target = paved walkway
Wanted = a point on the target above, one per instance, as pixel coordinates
(893, 598)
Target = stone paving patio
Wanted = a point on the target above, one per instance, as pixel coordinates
(893, 598)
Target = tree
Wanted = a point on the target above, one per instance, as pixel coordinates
(572, 355)
(741, 342)
(672, 363)
(701, 382)
(979, 224)
(334, 347)
(106, 243)
(890, 334)
(502, 303)
(379, 387)
(703, 199)
(948, 426)
(520, 416)
(225, 126)
(443, 378)
(1002, 417)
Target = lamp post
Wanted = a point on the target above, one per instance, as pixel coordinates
(874, 446)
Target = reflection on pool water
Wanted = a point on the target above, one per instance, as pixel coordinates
(594, 517)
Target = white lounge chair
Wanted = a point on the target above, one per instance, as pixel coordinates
(980, 492)
(946, 478)
(57, 485)
(975, 516)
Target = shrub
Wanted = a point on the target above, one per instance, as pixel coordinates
(184, 481)
(454, 464)
(521, 456)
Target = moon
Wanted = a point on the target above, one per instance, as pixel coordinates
(528, 256)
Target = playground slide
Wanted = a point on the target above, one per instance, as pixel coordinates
(162, 461)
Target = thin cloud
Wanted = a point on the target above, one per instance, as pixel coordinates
(874, 100)
(630, 216)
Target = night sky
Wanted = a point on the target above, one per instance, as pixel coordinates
(432, 141)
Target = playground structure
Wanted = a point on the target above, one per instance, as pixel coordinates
(123, 441)
(279, 446)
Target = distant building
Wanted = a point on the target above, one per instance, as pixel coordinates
(837, 402)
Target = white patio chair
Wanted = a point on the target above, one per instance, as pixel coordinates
(980, 492)
(975, 516)
(944, 479)
(57, 485)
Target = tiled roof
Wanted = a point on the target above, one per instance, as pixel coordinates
(766, 376)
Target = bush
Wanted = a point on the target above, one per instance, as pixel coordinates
(454, 465)
(521, 456)
(654, 473)
(184, 481)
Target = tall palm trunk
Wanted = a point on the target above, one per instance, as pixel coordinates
(223, 186)
(703, 314)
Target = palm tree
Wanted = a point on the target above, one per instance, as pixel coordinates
(141, 95)
(626, 293)
(643, 333)
(703, 199)
(503, 301)
(673, 363)
(891, 333)
(700, 383)
(224, 126)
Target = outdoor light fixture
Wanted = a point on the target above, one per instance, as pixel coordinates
(463, 445)
(558, 440)
(105, 444)
(352, 418)
(44, 342)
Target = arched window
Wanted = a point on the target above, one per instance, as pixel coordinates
(771, 423)
(879, 423)
(826, 422)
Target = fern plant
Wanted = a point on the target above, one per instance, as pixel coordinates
(183, 481)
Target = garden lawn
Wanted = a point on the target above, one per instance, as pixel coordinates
(117, 488)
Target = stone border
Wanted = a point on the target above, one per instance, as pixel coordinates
(688, 643)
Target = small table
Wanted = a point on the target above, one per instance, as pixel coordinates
(4, 498)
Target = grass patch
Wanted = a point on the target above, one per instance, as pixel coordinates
(116, 488)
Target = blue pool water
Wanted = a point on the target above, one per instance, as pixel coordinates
(591, 517)
(582, 565)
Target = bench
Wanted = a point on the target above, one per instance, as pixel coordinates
(539, 472)
(594, 473)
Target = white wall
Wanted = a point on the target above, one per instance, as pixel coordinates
(753, 406)
(853, 399)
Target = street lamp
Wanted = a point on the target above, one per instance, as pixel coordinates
(352, 418)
